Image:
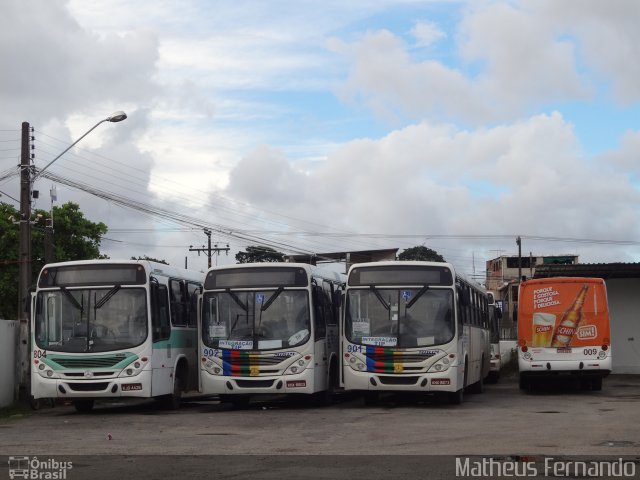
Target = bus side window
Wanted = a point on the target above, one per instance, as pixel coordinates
(160, 312)
(330, 308)
(193, 290)
(176, 293)
(320, 326)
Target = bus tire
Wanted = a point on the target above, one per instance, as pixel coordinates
(524, 383)
(326, 397)
(83, 406)
(173, 400)
(240, 402)
(477, 387)
(596, 384)
(456, 398)
(371, 398)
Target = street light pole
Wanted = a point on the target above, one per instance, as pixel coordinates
(22, 390)
(114, 117)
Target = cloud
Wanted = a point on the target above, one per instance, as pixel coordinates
(426, 33)
(416, 181)
(511, 58)
(57, 68)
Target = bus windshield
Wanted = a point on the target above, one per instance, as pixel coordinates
(90, 319)
(404, 318)
(250, 320)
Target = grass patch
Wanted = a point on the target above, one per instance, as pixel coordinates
(16, 410)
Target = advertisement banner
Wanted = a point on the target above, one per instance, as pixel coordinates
(563, 312)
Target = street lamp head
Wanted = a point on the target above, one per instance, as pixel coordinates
(117, 116)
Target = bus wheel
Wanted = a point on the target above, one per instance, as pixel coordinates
(455, 398)
(478, 387)
(326, 397)
(173, 400)
(596, 384)
(525, 384)
(240, 402)
(83, 406)
(371, 399)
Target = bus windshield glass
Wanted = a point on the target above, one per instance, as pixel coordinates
(90, 319)
(251, 320)
(403, 317)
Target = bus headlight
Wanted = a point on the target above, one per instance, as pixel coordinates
(210, 366)
(298, 365)
(46, 372)
(134, 368)
(441, 365)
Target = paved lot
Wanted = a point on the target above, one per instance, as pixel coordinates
(503, 422)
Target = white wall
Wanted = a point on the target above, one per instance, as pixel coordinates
(8, 342)
(624, 309)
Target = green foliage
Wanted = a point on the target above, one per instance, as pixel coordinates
(75, 238)
(421, 253)
(150, 259)
(259, 254)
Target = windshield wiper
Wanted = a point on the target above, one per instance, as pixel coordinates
(107, 297)
(72, 299)
(418, 295)
(237, 300)
(242, 306)
(268, 303)
(382, 300)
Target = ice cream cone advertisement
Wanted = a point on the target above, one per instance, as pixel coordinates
(563, 325)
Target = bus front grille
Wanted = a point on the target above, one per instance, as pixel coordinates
(87, 362)
(398, 357)
(88, 386)
(254, 383)
(398, 380)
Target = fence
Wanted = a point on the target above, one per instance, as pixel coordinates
(8, 343)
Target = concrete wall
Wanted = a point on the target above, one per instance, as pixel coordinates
(8, 342)
(623, 295)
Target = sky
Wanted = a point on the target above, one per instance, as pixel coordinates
(323, 126)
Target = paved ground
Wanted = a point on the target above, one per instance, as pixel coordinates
(206, 437)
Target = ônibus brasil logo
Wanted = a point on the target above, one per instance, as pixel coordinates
(36, 469)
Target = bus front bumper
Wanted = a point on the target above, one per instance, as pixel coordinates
(138, 386)
(447, 381)
(302, 382)
(565, 367)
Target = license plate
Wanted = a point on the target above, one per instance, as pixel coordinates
(440, 381)
(130, 387)
(564, 350)
(296, 383)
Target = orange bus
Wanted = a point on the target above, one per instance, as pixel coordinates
(563, 329)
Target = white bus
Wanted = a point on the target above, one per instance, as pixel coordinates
(495, 315)
(414, 327)
(106, 329)
(270, 328)
(564, 331)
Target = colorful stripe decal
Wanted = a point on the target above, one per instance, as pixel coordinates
(391, 360)
(238, 363)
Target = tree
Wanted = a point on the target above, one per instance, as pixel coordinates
(150, 259)
(75, 238)
(421, 253)
(259, 254)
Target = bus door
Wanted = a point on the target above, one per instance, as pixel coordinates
(321, 355)
(162, 358)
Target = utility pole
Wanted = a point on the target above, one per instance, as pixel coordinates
(24, 266)
(209, 250)
(49, 256)
(519, 243)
